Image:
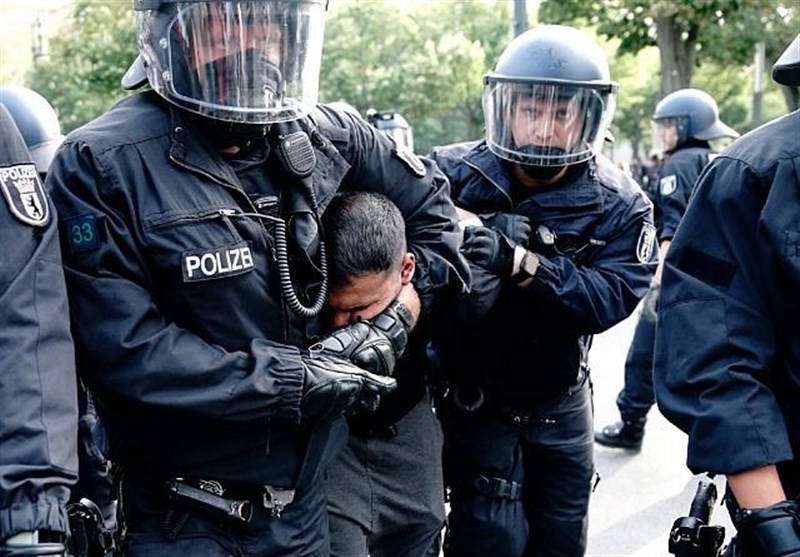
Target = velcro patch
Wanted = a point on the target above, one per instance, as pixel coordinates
(81, 233)
(644, 246)
(668, 184)
(24, 193)
(216, 263)
(411, 160)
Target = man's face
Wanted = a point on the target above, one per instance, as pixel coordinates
(546, 123)
(366, 296)
(219, 38)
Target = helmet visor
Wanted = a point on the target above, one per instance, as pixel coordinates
(244, 61)
(546, 123)
(668, 133)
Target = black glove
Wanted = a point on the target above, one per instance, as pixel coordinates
(770, 532)
(375, 344)
(489, 249)
(331, 385)
(650, 303)
(516, 228)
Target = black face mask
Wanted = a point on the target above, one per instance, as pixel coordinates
(266, 78)
(542, 172)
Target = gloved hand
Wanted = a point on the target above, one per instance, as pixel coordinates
(489, 249)
(650, 303)
(516, 228)
(374, 344)
(332, 384)
(773, 531)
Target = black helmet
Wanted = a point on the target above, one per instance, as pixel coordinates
(394, 125)
(550, 99)
(243, 61)
(687, 114)
(37, 121)
(786, 70)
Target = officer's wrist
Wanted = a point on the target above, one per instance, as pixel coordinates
(519, 254)
(23, 539)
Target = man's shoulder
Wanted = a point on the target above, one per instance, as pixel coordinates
(133, 119)
(615, 181)
(457, 151)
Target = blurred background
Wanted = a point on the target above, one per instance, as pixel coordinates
(426, 60)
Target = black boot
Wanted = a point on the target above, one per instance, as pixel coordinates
(622, 435)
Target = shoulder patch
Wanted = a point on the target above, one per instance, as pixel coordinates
(82, 233)
(668, 184)
(644, 247)
(24, 192)
(411, 160)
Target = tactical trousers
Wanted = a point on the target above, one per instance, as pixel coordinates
(637, 396)
(385, 495)
(520, 477)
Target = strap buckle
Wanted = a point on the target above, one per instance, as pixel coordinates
(275, 499)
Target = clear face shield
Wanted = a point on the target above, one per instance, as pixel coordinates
(242, 61)
(547, 124)
(667, 134)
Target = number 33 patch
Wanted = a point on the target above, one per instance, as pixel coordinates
(82, 233)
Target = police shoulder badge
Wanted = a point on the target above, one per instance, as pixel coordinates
(25, 194)
(411, 160)
(668, 184)
(644, 247)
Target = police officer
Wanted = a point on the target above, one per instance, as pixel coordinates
(394, 125)
(197, 271)
(518, 426)
(38, 398)
(385, 491)
(727, 359)
(684, 122)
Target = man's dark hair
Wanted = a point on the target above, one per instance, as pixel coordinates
(364, 233)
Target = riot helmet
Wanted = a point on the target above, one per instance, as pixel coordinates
(550, 99)
(37, 121)
(394, 125)
(786, 70)
(251, 62)
(687, 114)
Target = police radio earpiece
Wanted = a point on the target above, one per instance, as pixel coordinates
(297, 156)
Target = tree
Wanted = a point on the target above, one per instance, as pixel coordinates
(425, 62)
(687, 32)
(88, 57)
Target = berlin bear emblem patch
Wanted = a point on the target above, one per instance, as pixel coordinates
(644, 247)
(25, 194)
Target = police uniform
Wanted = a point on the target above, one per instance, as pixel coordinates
(38, 397)
(518, 430)
(181, 328)
(675, 185)
(727, 360)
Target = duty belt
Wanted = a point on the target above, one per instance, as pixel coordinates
(226, 501)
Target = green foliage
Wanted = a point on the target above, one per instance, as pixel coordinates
(427, 59)
(87, 60)
(426, 63)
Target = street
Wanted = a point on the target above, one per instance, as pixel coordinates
(639, 494)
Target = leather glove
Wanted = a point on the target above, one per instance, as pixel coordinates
(332, 384)
(650, 303)
(489, 249)
(374, 344)
(773, 531)
(516, 228)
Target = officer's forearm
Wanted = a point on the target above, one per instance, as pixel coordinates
(757, 488)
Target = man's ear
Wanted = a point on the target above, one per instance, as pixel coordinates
(408, 267)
